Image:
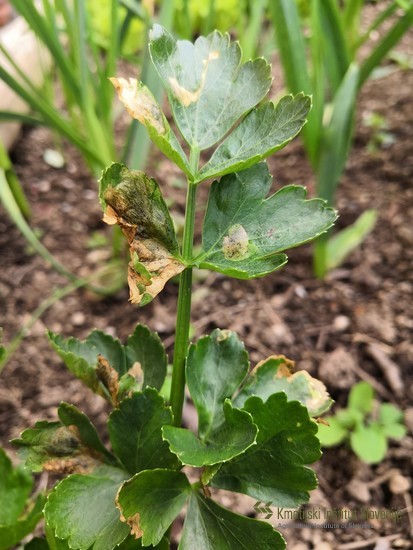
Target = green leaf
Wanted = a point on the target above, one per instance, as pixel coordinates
(145, 347)
(207, 87)
(333, 434)
(274, 469)
(361, 397)
(390, 414)
(37, 544)
(142, 106)
(263, 131)
(81, 509)
(150, 502)
(81, 357)
(72, 416)
(135, 432)
(244, 232)
(15, 487)
(72, 445)
(276, 374)
(394, 431)
(14, 532)
(134, 201)
(233, 436)
(340, 245)
(209, 526)
(215, 367)
(369, 444)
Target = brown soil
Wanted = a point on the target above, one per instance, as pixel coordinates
(356, 324)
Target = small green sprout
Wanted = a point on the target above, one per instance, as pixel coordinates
(365, 423)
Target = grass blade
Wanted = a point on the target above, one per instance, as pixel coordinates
(345, 241)
(292, 50)
(387, 43)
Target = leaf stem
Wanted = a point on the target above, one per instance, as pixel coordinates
(183, 317)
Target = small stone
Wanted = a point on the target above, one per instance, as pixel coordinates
(78, 319)
(53, 158)
(359, 490)
(324, 545)
(337, 369)
(399, 484)
(341, 323)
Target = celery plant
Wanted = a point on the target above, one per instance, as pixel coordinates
(255, 433)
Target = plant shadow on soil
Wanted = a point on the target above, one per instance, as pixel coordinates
(356, 324)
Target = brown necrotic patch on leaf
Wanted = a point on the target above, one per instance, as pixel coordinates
(135, 203)
(235, 244)
(80, 464)
(140, 103)
(185, 96)
(109, 378)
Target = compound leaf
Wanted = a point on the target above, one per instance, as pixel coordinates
(233, 436)
(215, 367)
(273, 469)
(263, 131)
(210, 526)
(244, 233)
(276, 374)
(142, 106)
(145, 348)
(134, 201)
(151, 500)
(81, 509)
(135, 432)
(208, 88)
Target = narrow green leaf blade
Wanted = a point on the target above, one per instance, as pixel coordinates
(337, 136)
(215, 367)
(263, 131)
(340, 245)
(207, 87)
(150, 502)
(142, 106)
(210, 526)
(232, 437)
(274, 469)
(244, 232)
(277, 374)
(145, 347)
(135, 432)
(81, 509)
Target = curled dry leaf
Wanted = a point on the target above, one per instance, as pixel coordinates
(134, 202)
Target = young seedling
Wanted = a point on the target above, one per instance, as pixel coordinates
(255, 432)
(365, 426)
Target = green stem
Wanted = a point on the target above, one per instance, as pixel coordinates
(183, 317)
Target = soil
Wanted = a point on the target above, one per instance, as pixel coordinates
(354, 325)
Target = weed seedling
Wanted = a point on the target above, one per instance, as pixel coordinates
(365, 426)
